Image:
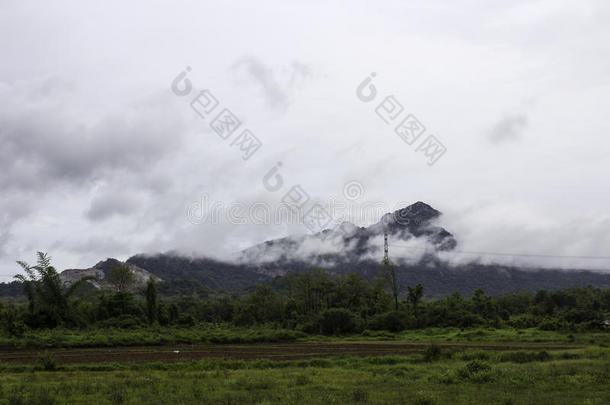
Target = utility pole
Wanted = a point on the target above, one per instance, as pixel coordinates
(386, 258)
(389, 270)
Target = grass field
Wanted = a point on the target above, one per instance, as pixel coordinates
(219, 334)
(434, 376)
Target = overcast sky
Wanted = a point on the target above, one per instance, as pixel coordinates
(99, 158)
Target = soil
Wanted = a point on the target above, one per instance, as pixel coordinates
(271, 351)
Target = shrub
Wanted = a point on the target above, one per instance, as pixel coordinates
(337, 321)
(15, 397)
(549, 324)
(42, 396)
(254, 383)
(422, 399)
(432, 353)
(394, 321)
(186, 320)
(476, 366)
(360, 395)
(48, 362)
(477, 371)
(386, 360)
(473, 355)
(319, 363)
(302, 379)
(524, 357)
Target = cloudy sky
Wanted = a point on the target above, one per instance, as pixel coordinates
(100, 158)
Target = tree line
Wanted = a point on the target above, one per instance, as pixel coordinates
(312, 302)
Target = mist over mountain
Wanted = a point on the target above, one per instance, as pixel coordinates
(348, 243)
(417, 246)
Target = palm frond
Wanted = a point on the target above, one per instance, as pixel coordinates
(77, 284)
(44, 260)
(27, 268)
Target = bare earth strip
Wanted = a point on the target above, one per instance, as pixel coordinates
(282, 351)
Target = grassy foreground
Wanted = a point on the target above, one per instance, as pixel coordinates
(437, 376)
(219, 333)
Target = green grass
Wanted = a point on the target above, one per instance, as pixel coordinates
(153, 336)
(530, 337)
(210, 333)
(453, 377)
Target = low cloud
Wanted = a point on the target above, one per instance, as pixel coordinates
(515, 234)
(508, 129)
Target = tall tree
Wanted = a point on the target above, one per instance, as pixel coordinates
(414, 297)
(121, 277)
(151, 300)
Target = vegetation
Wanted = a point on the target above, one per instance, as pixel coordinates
(447, 350)
(121, 277)
(48, 303)
(458, 377)
(309, 302)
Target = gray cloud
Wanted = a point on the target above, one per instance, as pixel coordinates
(116, 202)
(44, 140)
(274, 90)
(508, 129)
(81, 126)
(273, 93)
(48, 144)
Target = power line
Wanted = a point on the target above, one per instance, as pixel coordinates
(512, 254)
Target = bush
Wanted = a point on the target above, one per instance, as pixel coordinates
(125, 321)
(394, 321)
(360, 395)
(524, 357)
(422, 399)
(48, 362)
(477, 371)
(432, 353)
(476, 366)
(523, 321)
(473, 355)
(302, 379)
(550, 324)
(42, 396)
(337, 321)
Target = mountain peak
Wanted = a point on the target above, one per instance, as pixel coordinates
(410, 218)
(418, 212)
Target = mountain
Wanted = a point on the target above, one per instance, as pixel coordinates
(348, 243)
(348, 248)
(200, 275)
(100, 273)
(343, 249)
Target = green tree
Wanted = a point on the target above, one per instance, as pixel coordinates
(354, 294)
(47, 299)
(263, 305)
(151, 300)
(414, 297)
(389, 272)
(483, 304)
(121, 277)
(338, 321)
(312, 291)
